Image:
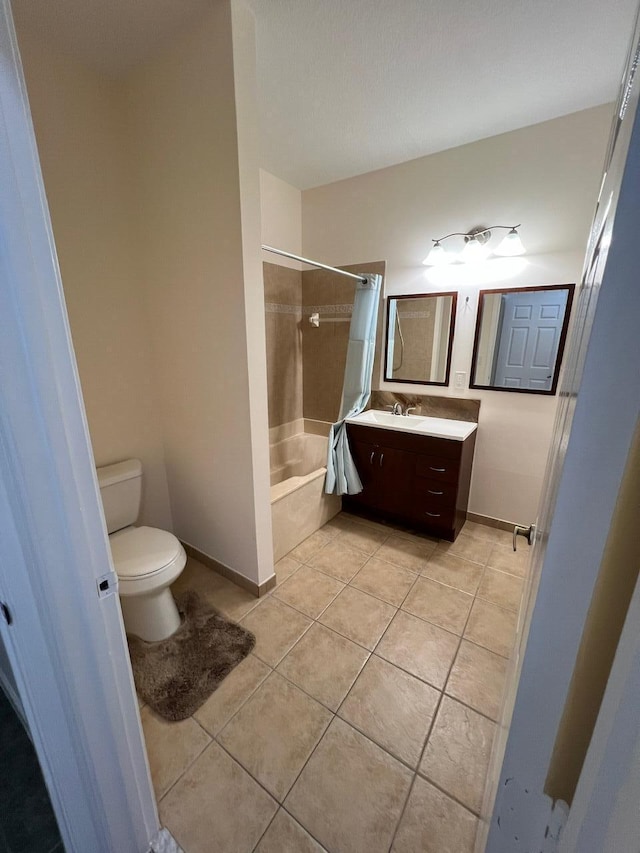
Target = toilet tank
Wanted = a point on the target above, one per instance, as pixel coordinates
(121, 492)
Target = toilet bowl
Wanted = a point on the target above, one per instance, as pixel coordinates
(147, 560)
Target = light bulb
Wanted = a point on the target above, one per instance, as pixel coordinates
(437, 256)
(511, 245)
(473, 250)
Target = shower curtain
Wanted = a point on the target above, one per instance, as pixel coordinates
(342, 476)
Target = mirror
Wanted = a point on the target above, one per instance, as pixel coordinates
(520, 335)
(420, 338)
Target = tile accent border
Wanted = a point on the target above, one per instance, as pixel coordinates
(164, 842)
(231, 574)
(342, 308)
(281, 308)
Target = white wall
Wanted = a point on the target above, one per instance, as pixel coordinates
(281, 207)
(546, 177)
(78, 122)
(192, 110)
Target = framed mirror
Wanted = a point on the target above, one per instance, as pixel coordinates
(420, 338)
(520, 336)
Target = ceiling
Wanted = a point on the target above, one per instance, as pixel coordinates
(348, 86)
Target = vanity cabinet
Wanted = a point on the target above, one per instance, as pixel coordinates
(417, 480)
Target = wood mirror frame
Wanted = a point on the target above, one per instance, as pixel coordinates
(547, 288)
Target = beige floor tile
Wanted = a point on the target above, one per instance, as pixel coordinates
(339, 560)
(221, 593)
(477, 679)
(285, 835)
(453, 571)
(434, 823)
(360, 519)
(309, 591)
(274, 733)
(351, 793)
(276, 627)
(490, 534)
(505, 559)
(458, 752)
(501, 588)
(234, 601)
(358, 616)
(492, 627)
(285, 567)
(392, 708)
(338, 523)
(171, 748)
(480, 531)
(384, 580)
(442, 605)
(424, 650)
(217, 806)
(410, 552)
(467, 547)
(231, 694)
(199, 578)
(411, 533)
(363, 536)
(311, 545)
(324, 664)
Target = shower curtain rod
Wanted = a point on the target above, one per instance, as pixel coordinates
(314, 263)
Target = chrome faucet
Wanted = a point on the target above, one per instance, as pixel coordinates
(396, 409)
(409, 409)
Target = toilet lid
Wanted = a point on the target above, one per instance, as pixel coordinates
(139, 551)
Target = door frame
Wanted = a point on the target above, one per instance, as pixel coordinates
(598, 412)
(65, 645)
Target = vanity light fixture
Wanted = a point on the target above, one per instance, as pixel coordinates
(476, 246)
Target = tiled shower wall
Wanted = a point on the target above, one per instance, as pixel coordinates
(324, 349)
(418, 330)
(283, 313)
(305, 364)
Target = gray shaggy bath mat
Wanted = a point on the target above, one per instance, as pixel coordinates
(175, 676)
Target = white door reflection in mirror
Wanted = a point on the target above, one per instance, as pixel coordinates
(519, 338)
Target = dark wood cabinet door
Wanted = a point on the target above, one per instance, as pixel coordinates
(386, 475)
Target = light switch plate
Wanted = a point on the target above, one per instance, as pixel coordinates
(460, 380)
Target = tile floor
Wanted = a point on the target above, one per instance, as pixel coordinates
(364, 718)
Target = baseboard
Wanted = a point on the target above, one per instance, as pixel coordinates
(230, 574)
(498, 523)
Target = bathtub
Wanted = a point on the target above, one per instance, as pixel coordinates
(299, 505)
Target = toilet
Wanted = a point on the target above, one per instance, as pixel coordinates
(147, 560)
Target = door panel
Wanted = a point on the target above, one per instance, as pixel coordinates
(531, 329)
(597, 414)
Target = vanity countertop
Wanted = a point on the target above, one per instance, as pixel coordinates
(416, 424)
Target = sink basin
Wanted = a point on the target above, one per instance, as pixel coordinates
(435, 427)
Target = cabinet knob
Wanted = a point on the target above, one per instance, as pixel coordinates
(431, 492)
(373, 453)
(381, 458)
(433, 514)
(439, 470)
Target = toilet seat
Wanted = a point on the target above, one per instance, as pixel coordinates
(145, 558)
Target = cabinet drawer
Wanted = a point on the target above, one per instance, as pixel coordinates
(442, 517)
(429, 493)
(437, 469)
